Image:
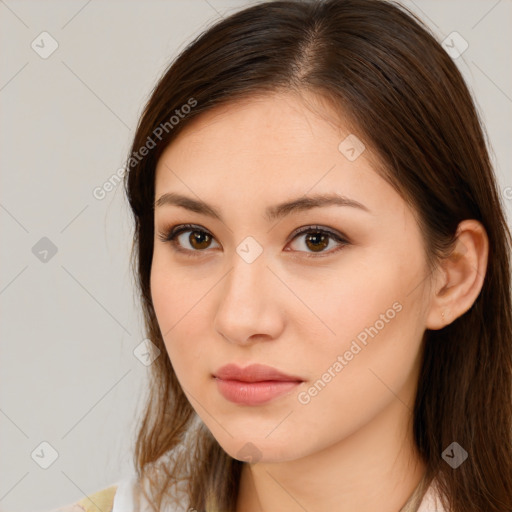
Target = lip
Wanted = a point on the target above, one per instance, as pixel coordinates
(255, 384)
(253, 373)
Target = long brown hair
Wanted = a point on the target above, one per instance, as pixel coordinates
(383, 70)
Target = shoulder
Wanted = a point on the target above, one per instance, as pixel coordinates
(100, 501)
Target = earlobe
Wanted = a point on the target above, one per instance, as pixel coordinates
(463, 275)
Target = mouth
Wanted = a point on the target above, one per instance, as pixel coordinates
(255, 384)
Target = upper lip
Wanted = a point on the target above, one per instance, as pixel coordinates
(253, 373)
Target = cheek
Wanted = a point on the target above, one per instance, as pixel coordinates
(180, 313)
(352, 381)
(359, 298)
(370, 330)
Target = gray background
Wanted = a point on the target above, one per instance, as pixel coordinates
(70, 324)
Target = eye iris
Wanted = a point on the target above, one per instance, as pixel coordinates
(202, 238)
(317, 238)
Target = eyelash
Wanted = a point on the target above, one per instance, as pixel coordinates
(170, 234)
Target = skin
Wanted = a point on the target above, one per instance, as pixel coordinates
(350, 447)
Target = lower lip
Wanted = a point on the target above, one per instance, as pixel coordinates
(253, 393)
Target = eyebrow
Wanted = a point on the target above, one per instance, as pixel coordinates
(272, 213)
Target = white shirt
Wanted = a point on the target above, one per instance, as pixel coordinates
(123, 499)
(431, 501)
(124, 502)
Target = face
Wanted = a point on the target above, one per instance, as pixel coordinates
(333, 296)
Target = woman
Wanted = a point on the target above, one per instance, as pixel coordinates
(324, 264)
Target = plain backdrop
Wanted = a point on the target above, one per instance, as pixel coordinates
(71, 386)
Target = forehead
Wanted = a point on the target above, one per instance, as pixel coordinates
(269, 147)
(280, 128)
(277, 114)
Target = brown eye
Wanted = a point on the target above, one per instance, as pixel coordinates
(317, 241)
(199, 239)
(195, 244)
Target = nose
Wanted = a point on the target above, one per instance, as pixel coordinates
(248, 308)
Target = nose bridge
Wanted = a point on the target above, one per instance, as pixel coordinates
(248, 261)
(244, 305)
(248, 273)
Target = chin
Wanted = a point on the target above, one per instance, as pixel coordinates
(260, 450)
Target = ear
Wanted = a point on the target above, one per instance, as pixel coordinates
(460, 276)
